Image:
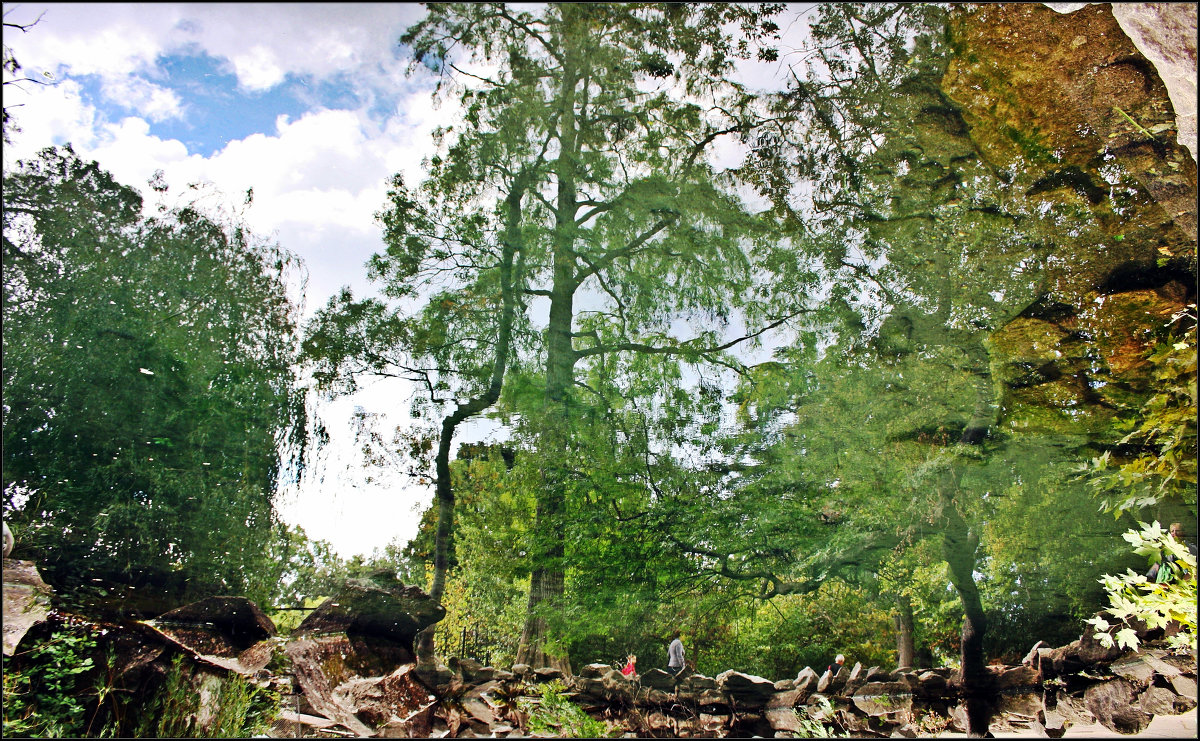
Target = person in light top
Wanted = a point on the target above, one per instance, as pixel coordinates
(675, 662)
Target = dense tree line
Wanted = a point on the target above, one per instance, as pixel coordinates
(150, 400)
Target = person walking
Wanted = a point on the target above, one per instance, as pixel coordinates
(675, 662)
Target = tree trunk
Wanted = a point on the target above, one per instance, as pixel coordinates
(904, 632)
(959, 548)
(444, 535)
(547, 581)
(546, 585)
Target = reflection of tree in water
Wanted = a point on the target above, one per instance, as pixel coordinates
(955, 262)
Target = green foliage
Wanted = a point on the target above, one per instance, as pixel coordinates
(243, 709)
(1046, 548)
(1132, 596)
(644, 226)
(810, 719)
(780, 637)
(553, 714)
(918, 574)
(235, 708)
(46, 695)
(58, 690)
(171, 713)
(487, 589)
(1163, 435)
(150, 402)
(287, 620)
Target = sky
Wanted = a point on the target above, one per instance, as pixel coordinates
(310, 105)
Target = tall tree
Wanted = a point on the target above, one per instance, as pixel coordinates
(468, 264)
(635, 239)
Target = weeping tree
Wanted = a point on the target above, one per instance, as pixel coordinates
(150, 405)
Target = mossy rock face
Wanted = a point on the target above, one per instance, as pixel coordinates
(1081, 119)
(1125, 325)
(1024, 65)
(381, 607)
(1078, 372)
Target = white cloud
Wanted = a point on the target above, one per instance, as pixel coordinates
(261, 41)
(257, 69)
(48, 115)
(156, 103)
(110, 41)
(132, 153)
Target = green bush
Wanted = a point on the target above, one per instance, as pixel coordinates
(45, 695)
(57, 690)
(241, 709)
(553, 714)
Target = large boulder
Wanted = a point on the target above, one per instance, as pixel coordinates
(857, 676)
(838, 681)
(806, 677)
(335, 671)
(746, 690)
(26, 601)
(883, 699)
(391, 698)
(230, 632)
(704, 692)
(1135, 669)
(780, 712)
(544, 674)
(1165, 33)
(657, 679)
(353, 656)
(1114, 706)
(594, 671)
(1157, 701)
(1023, 701)
(599, 685)
(381, 606)
(1078, 655)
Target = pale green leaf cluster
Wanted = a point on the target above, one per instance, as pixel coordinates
(1134, 597)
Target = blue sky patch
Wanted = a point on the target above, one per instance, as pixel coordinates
(215, 110)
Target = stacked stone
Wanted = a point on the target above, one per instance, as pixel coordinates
(351, 670)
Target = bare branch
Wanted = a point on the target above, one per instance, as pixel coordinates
(687, 348)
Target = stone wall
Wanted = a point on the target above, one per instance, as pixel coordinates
(349, 669)
(1051, 690)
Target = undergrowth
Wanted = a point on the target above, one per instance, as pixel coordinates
(553, 714)
(57, 690)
